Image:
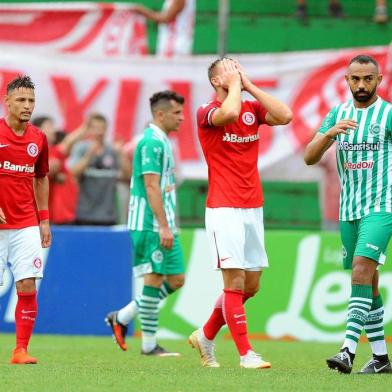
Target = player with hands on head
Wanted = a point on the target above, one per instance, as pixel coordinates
(229, 135)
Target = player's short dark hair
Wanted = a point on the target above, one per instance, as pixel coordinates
(97, 117)
(22, 81)
(38, 121)
(364, 59)
(162, 99)
(59, 136)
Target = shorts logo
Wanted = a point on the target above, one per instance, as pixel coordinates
(32, 150)
(344, 252)
(374, 129)
(371, 246)
(248, 118)
(37, 263)
(157, 256)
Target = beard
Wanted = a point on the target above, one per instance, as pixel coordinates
(24, 118)
(363, 95)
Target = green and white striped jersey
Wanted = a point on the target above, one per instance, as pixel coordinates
(364, 158)
(153, 154)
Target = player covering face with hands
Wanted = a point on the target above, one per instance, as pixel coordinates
(228, 130)
(24, 216)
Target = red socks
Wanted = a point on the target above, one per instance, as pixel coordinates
(25, 315)
(216, 320)
(234, 313)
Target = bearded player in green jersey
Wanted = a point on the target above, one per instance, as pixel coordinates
(157, 252)
(362, 130)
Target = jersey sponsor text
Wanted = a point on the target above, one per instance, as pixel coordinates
(364, 146)
(7, 165)
(359, 165)
(364, 159)
(233, 138)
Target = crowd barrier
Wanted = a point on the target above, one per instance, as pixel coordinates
(303, 294)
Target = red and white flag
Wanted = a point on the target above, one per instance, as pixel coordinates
(94, 29)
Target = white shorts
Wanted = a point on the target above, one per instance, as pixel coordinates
(21, 248)
(236, 237)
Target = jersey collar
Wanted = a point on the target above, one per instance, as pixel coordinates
(159, 131)
(369, 107)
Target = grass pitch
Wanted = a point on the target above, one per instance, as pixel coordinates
(96, 364)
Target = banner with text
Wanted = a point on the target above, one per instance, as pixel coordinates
(68, 87)
(304, 293)
(87, 273)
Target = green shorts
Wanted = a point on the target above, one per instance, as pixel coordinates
(368, 237)
(149, 256)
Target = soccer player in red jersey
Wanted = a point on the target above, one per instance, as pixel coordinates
(229, 137)
(24, 216)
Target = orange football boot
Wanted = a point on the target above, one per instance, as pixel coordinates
(20, 356)
(119, 330)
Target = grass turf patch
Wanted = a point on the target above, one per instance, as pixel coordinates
(95, 364)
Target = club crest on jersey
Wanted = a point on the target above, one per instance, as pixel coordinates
(37, 263)
(32, 150)
(248, 118)
(374, 129)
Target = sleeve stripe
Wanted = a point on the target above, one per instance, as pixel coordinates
(150, 172)
(209, 116)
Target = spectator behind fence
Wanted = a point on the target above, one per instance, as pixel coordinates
(97, 166)
(176, 24)
(381, 12)
(336, 10)
(63, 195)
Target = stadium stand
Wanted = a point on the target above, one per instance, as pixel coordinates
(258, 18)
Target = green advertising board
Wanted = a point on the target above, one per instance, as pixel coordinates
(303, 295)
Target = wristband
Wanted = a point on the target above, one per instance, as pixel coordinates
(43, 215)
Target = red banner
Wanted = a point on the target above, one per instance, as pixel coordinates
(94, 29)
(69, 87)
